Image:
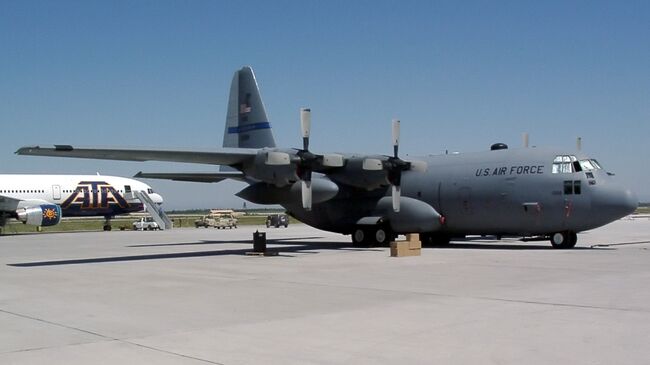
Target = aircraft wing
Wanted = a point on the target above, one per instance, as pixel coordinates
(223, 156)
(193, 176)
(8, 203)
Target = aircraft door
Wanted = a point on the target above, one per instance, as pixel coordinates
(128, 194)
(576, 203)
(56, 192)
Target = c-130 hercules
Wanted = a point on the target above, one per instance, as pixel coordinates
(530, 192)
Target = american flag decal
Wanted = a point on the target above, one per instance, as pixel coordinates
(243, 109)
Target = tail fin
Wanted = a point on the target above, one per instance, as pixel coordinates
(246, 123)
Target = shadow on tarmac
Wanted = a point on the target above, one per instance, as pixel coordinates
(215, 242)
(502, 246)
(283, 252)
(289, 246)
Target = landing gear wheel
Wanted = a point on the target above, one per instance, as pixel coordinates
(107, 223)
(382, 236)
(371, 236)
(573, 239)
(359, 237)
(564, 240)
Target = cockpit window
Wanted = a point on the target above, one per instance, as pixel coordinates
(567, 164)
(596, 164)
(589, 165)
(150, 191)
(564, 164)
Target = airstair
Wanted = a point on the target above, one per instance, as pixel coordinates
(154, 209)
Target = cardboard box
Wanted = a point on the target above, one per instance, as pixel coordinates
(403, 248)
(414, 241)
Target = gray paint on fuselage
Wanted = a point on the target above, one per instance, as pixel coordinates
(502, 201)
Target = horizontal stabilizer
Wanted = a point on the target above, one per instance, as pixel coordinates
(223, 156)
(208, 177)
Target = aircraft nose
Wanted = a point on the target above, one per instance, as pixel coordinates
(615, 202)
(157, 198)
(631, 201)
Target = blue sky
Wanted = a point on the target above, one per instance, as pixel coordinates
(460, 75)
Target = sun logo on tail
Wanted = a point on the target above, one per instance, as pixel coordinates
(49, 214)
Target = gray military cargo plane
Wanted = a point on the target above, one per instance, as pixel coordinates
(537, 193)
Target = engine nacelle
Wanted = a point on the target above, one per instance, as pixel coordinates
(262, 193)
(40, 215)
(414, 215)
(279, 173)
(355, 174)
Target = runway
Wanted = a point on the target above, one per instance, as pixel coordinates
(192, 296)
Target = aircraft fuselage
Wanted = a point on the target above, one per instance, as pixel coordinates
(77, 195)
(501, 192)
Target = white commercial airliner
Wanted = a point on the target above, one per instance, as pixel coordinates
(42, 200)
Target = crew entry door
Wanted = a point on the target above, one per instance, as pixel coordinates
(127, 192)
(56, 192)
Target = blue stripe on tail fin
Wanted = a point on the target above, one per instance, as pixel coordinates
(247, 125)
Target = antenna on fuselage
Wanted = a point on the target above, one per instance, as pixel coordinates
(524, 136)
(579, 143)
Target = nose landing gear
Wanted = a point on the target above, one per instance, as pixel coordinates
(564, 239)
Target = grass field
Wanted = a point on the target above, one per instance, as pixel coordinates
(68, 225)
(643, 210)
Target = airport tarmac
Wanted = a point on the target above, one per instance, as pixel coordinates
(192, 296)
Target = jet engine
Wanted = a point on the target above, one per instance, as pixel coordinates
(41, 215)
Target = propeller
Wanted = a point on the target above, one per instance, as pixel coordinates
(394, 167)
(305, 127)
(307, 159)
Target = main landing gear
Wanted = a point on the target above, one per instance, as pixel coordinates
(107, 224)
(378, 235)
(564, 239)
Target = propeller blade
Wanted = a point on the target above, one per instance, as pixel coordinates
(372, 164)
(305, 126)
(306, 194)
(395, 137)
(277, 158)
(397, 192)
(333, 160)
